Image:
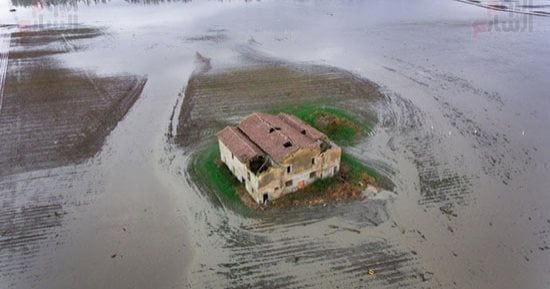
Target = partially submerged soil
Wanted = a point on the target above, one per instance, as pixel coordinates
(53, 116)
(482, 174)
(215, 98)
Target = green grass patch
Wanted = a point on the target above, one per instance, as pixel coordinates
(337, 124)
(357, 168)
(213, 174)
(220, 184)
(348, 184)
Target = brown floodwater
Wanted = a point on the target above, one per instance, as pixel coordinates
(461, 129)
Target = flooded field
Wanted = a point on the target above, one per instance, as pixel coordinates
(99, 122)
(262, 85)
(51, 115)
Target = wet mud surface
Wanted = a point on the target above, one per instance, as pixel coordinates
(53, 116)
(215, 98)
(274, 252)
(459, 124)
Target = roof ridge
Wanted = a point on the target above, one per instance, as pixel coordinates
(280, 132)
(297, 124)
(272, 134)
(268, 123)
(287, 119)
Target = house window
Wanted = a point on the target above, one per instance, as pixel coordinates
(232, 156)
(288, 169)
(312, 161)
(248, 174)
(288, 183)
(312, 175)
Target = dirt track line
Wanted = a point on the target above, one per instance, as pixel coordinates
(72, 48)
(5, 40)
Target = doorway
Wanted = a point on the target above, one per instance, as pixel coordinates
(266, 198)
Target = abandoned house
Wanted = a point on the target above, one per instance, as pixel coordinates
(273, 155)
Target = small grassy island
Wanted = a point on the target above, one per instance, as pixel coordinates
(348, 184)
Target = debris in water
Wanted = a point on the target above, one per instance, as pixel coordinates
(448, 210)
(427, 276)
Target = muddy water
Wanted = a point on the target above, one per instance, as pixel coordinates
(462, 133)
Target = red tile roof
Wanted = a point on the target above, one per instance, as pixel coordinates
(299, 125)
(239, 144)
(277, 136)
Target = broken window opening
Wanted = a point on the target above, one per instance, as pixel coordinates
(312, 175)
(288, 169)
(303, 131)
(287, 144)
(288, 183)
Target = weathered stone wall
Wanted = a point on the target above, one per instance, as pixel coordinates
(323, 165)
(240, 171)
(271, 183)
(303, 163)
